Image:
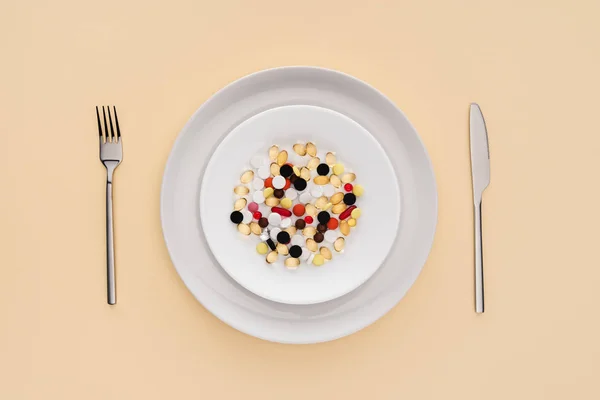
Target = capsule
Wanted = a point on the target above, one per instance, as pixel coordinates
(313, 163)
(330, 159)
(326, 253)
(247, 176)
(281, 211)
(337, 198)
(273, 152)
(300, 149)
(239, 204)
(272, 257)
(241, 190)
(335, 181)
(347, 212)
(311, 149)
(282, 157)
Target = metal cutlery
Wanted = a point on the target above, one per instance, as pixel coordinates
(111, 155)
(480, 170)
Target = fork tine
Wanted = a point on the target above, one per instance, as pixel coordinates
(99, 124)
(117, 123)
(105, 126)
(112, 131)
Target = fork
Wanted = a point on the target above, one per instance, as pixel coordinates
(111, 155)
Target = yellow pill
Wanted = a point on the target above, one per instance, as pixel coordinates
(352, 222)
(262, 248)
(358, 190)
(268, 192)
(356, 213)
(318, 260)
(338, 169)
(285, 203)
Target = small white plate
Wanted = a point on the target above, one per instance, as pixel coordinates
(180, 210)
(367, 245)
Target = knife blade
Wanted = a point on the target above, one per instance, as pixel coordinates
(480, 171)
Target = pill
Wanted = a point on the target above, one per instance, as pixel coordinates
(319, 237)
(264, 172)
(316, 191)
(358, 190)
(326, 253)
(283, 237)
(258, 161)
(305, 173)
(298, 210)
(257, 215)
(244, 229)
(318, 260)
(323, 169)
(344, 228)
(292, 178)
(253, 207)
(311, 149)
(339, 244)
(335, 181)
(286, 170)
(287, 185)
(279, 193)
(291, 263)
(338, 208)
(236, 217)
(297, 240)
(271, 244)
(273, 151)
(282, 249)
(352, 222)
(285, 223)
(313, 163)
(255, 228)
(311, 256)
(321, 180)
(274, 219)
(311, 244)
(332, 223)
(331, 236)
(285, 203)
(268, 192)
(336, 198)
(274, 232)
(323, 217)
(300, 149)
(264, 236)
(296, 171)
(278, 182)
(322, 228)
(295, 251)
(349, 199)
(322, 202)
(282, 157)
(272, 201)
(241, 190)
(263, 222)
(309, 231)
(347, 178)
(305, 197)
(258, 197)
(330, 159)
(247, 216)
(300, 224)
(356, 213)
(239, 204)
(328, 190)
(308, 219)
(291, 230)
(268, 183)
(300, 184)
(348, 187)
(310, 210)
(291, 194)
(281, 211)
(258, 184)
(305, 254)
(338, 169)
(272, 257)
(262, 248)
(247, 176)
(347, 212)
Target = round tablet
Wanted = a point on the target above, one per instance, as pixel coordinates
(278, 182)
(323, 217)
(305, 198)
(300, 184)
(297, 240)
(274, 232)
(247, 216)
(285, 223)
(328, 190)
(264, 172)
(258, 197)
(283, 237)
(291, 194)
(331, 236)
(316, 191)
(258, 184)
(286, 170)
(236, 217)
(349, 199)
(295, 251)
(323, 169)
(274, 219)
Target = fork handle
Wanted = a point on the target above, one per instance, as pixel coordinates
(479, 303)
(110, 248)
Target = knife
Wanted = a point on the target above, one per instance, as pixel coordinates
(480, 170)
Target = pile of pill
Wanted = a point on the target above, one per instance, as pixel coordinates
(299, 205)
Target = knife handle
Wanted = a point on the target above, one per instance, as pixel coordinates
(479, 304)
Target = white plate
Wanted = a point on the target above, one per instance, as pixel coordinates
(366, 246)
(180, 212)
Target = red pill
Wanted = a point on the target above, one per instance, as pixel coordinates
(287, 184)
(282, 211)
(269, 182)
(257, 215)
(298, 210)
(308, 219)
(347, 187)
(347, 212)
(332, 224)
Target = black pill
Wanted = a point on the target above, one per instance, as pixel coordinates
(271, 244)
(263, 222)
(286, 171)
(236, 217)
(283, 237)
(319, 237)
(293, 177)
(300, 224)
(300, 184)
(322, 169)
(279, 193)
(349, 199)
(322, 228)
(295, 251)
(323, 217)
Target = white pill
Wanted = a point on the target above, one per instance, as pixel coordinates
(291, 194)
(279, 182)
(264, 236)
(264, 172)
(331, 236)
(316, 191)
(310, 258)
(274, 232)
(305, 254)
(305, 198)
(258, 161)
(247, 217)
(258, 184)
(274, 219)
(285, 223)
(297, 240)
(328, 190)
(258, 197)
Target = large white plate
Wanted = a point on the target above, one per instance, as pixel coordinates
(366, 247)
(189, 251)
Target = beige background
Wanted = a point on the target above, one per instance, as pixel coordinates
(534, 67)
